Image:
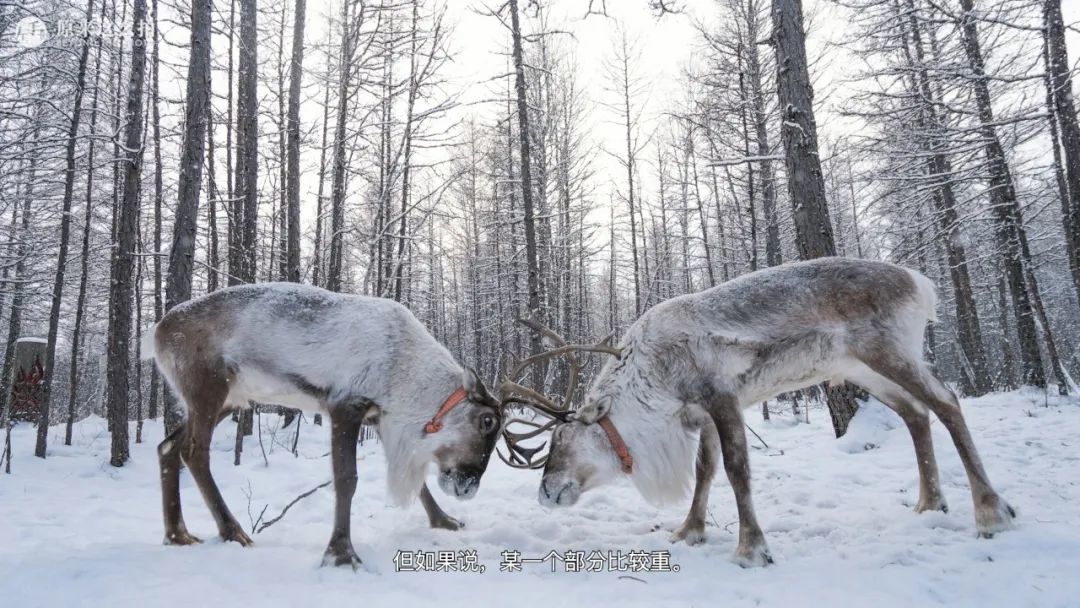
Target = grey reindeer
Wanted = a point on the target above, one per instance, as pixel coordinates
(688, 366)
(356, 359)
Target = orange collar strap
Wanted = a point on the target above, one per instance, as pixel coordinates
(435, 424)
(617, 443)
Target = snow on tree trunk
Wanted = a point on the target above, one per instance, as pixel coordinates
(806, 184)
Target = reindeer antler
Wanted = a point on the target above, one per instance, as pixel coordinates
(511, 392)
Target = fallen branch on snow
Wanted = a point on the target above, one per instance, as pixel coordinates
(266, 524)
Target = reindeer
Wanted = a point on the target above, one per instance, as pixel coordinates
(357, 359)
(688, 366)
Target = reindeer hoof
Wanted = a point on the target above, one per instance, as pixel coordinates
(347, 557)
(237, 535)
(993, 515)
(690, 533)
(756, 556)
(447, 523)
(932, 504)
(352, 561)
(340, 552)
(181, 538)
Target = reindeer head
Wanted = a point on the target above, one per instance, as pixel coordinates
(581, 456)
(466, 429)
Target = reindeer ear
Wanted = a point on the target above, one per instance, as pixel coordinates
(593, 411)
(470, 380)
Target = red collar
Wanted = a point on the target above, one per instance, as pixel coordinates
(617, 443)
(435, 424)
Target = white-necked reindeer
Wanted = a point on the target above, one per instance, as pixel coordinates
(694, 362)
(354, 358)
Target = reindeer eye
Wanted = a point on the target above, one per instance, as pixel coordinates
(487, 423)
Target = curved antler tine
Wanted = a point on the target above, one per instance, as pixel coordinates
(536, 431)
(575, 364)
(554, 414)
(606, 341)
(539, 464)
(521, 457)
(534, 359)
(567, 349)
(571, 382)
(529, 423)
(508, 461)
(511, 392)
(529, 398)
(528, 453)
(518, 463)
(543, 330)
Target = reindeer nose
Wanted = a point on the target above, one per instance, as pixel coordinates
(465, 486)
(545, 496)
(551, 496)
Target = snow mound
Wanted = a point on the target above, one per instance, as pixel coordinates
(870, 428)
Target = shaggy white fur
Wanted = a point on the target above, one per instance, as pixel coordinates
(355, 348)
(769, 332)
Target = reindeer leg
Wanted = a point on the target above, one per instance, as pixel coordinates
(917, 419)
(692, 531)
(992, 514)
(436, 516)
(176, 532)
(344, 432)
(918, 424)
(197, 456)
(725, 412)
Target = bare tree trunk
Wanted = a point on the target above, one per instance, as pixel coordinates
(533, 269)
(337, 193)
(317, 248)
(1004, 205)
(806, 185)
(292, 185)
(1008, 362)
(613, 299)
(182, 255)
(247, 135)
(644, 257)
(279, 245)
(854, 209)
(84, 254)
(1051, 345)
(65, 235)
(235, 204)
(382, 211)
(213, 194)
(247, 163)
(813, 228)
(722, 243)
(159, 307)
(1064, 111)
(140, 266)
(663, 271)
(751, 192)
(939, 168)
(406, 159)
(631, 188)
(121, 287)
(17, 300)
(773, 256)
(702, 219)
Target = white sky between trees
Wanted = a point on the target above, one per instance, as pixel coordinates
(478, 44)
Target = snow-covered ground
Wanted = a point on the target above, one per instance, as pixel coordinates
(837, 515)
